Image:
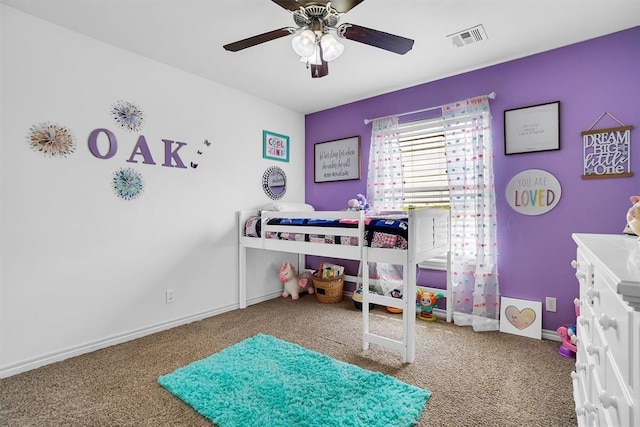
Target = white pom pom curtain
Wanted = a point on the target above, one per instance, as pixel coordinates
(469, 156)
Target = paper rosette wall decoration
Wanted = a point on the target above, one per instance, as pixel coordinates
(128, 115)
(52, 140)
(127, 183)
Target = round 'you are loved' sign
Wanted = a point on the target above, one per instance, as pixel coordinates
(533, 192)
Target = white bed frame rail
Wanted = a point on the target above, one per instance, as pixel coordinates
(429, 231)
(352, 252)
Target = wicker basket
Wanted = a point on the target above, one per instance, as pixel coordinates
(329, 290)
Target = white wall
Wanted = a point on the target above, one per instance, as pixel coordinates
(81, 268)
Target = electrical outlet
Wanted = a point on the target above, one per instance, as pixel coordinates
(170, 296)
(550, 304)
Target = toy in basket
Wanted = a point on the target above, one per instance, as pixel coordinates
(329, 283)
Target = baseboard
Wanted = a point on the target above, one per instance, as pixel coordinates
(550, 335)
(442, 314)
(47, 359)
(27, 365)
(264, 298)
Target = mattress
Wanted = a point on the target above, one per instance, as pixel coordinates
(378, 232)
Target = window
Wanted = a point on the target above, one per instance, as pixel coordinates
(424, 165)
(424, 169)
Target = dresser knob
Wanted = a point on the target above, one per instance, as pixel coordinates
(574, 375)
(607, 322)
(581, 366)
(588, 407)
(574, 264)
(584, 321)
(592, 293)
(577, 302)
(581, 276)
(607, 400)
(592, 349)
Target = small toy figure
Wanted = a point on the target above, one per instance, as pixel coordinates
(427, 302)
(569, 339)
(364, 205)
(395, 293)
(359, 203)
(633, 215)
(294, 283)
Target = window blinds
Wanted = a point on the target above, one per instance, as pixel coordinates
(424, 163)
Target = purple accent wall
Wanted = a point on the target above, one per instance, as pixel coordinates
(535, 252)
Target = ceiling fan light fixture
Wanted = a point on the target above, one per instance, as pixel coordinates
(314, 59)
(331, 48)
(312, 41)
(304, 43)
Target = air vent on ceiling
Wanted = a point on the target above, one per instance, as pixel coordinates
(469, 36)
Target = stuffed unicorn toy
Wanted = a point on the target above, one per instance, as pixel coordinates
(633, 215)
(295, 283)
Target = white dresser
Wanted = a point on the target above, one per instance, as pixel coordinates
(606, 381)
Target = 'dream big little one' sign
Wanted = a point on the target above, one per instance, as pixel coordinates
(533, 192)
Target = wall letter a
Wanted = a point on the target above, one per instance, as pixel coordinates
(142, 149)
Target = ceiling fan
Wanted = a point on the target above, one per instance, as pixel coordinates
(315, 21)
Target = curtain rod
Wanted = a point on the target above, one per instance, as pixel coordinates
(492, 95)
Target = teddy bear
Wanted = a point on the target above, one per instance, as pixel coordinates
(633, 215)
(294, 283)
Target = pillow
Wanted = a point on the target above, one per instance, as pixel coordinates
(288, 207)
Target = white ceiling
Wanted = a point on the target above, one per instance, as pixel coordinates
(189, 34)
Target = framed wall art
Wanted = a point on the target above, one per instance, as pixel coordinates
(275, 146)
(521, 317)
(337, 160)
(607, 152)
(531, 129)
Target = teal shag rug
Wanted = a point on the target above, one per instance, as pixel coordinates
(265, 381)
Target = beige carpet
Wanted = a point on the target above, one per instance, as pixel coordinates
(477, 379)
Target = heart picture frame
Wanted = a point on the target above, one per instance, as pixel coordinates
(521, 317)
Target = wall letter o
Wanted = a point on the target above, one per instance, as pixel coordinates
(93, 143)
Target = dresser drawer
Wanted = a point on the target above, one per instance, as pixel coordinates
(585, 324)
(614, 398)
(586, 408)
(580, 387)
(584, 272)
(587, 367)
(613, 320)
(596, 352)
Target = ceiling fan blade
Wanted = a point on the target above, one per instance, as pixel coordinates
(380, 39)
(260, 38)
(344, 6)
(291, 5)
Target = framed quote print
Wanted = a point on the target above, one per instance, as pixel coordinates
(531, 129)
(337, 160)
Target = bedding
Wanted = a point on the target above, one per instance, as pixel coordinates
(380, 232)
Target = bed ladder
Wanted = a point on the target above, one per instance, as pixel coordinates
(407, 345)
(438, 226)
